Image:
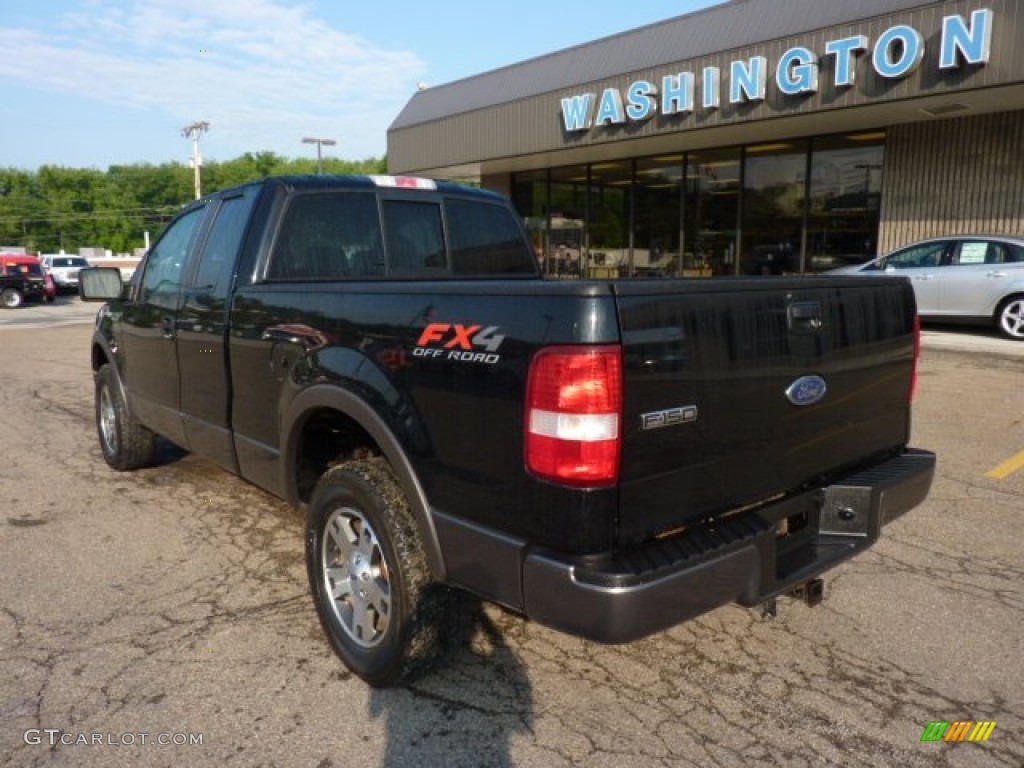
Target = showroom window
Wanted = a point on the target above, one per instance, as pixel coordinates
(785, 207)
(845, 200)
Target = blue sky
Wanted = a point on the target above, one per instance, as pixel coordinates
(91, 83)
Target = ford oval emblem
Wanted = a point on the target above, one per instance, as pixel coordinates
(807, 390)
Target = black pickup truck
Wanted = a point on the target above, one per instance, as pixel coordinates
(607, 457)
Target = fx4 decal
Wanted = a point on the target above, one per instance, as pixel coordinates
(453, 341)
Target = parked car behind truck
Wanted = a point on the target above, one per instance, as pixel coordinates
(608, 458)
(973, 279)
(21, 279)
(64, 270)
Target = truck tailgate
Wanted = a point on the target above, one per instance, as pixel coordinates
(739, 391)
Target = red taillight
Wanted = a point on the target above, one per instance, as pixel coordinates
(573, 415)
(917, 356)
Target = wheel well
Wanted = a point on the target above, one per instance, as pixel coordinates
(99, 357)
(328, 438)
(1006, 300)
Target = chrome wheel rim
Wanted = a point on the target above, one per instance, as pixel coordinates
(356, 577)
(1012, 318)
(108, 422)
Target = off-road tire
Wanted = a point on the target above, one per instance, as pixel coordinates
(125, 443)
(365, 559)
(11, 298)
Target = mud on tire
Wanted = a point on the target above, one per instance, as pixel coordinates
(371, 585)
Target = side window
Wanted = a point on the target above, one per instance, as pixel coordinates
(331, 235)
(972, 252)
(221, 248)
(918, 257)
(486, 240)
(1002, 253)
(166, 261)
(415, 238)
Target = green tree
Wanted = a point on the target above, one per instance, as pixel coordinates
(57, 208)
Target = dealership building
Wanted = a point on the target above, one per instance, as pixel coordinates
(753, 137)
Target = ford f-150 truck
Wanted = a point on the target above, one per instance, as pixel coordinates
(608, 458)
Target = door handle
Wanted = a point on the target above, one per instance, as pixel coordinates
(280, 336)
(804, 317)
(167, 327)
(995, 274)
(303, 335)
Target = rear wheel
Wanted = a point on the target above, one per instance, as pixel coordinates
(125, 443)
(11, 298)
(369, 577)
(1010, 317)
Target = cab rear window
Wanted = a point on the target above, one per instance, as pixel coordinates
(486, 240)
(345, 235)
(328, 235)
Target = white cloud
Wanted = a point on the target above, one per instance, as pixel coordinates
(261, 73)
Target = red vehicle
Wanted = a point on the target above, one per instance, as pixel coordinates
(22, 279)
(51, 286)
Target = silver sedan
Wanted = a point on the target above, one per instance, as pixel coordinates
(963, 278)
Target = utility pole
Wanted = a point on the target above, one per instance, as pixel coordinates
(319, 158)
(193, 132)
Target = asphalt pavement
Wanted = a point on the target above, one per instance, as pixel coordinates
(162, 617)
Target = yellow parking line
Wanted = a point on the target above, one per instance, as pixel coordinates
(1007, 468)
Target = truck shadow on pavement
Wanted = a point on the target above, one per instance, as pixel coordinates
(165, 453)
(431, 721)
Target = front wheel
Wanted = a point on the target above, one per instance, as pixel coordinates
(11, 298)
(125, 443)
(1010, 317)
(368, 574)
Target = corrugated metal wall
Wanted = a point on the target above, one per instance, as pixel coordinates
(728, 27)
(948, 176)
(532, 125)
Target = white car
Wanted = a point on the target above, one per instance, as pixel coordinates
(963, 278)
(64, 270)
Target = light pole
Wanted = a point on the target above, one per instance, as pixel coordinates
(193, 132)
(319, 143)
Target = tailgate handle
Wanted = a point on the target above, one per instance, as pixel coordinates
(804, 316)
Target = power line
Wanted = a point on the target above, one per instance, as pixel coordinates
(137, 213)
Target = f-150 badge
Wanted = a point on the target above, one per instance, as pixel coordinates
(669, 417)
(807, 390)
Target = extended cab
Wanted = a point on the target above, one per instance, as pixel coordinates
(607, 457)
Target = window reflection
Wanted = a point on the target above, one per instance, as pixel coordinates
(656, 222)
(530, 197)
(846, 194)
(773, 208)
(609, 221)
(711, 209)
(807, 206)
(564, 227)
